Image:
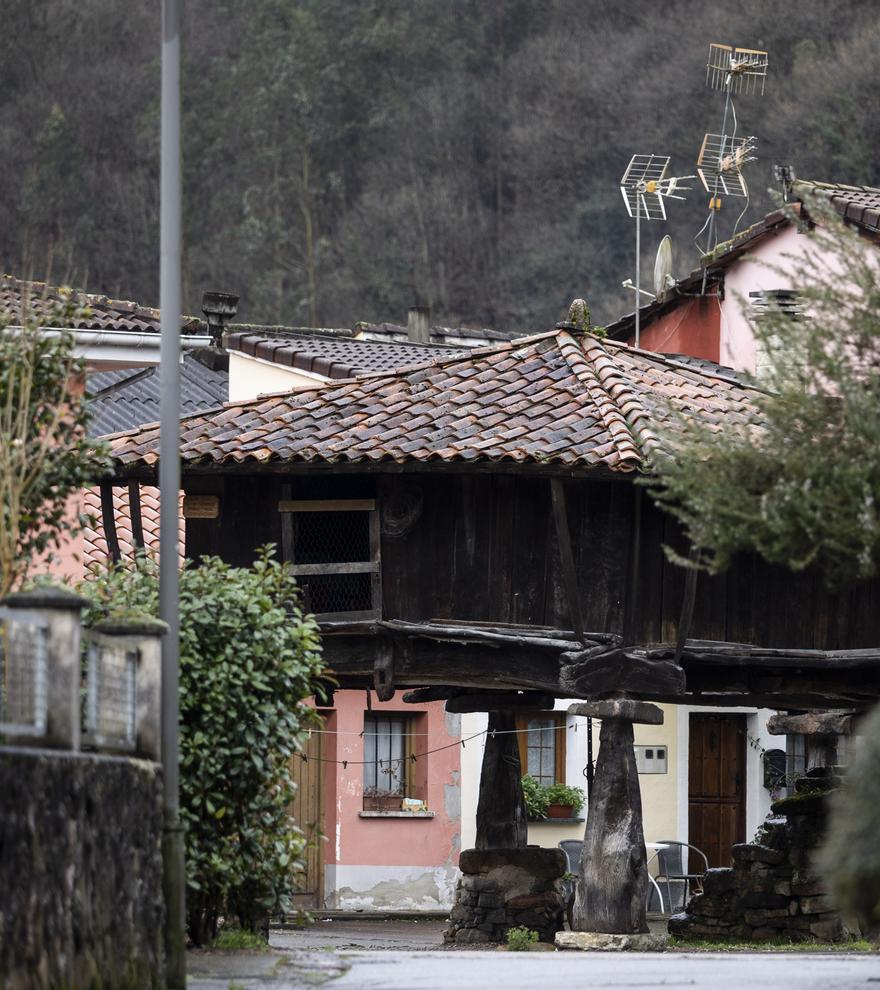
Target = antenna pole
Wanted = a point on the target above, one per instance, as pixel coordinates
(710, 241)
(638, 266)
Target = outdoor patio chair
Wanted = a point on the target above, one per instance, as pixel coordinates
(572, 849)
(672, 872)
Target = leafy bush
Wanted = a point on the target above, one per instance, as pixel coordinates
(520, 939)
(245, 666)
(562, 794)
(535, 798)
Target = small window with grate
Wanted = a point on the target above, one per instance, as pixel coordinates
(333, 547)
(541, 741)
(387, 748)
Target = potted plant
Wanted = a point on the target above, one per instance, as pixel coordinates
(563, 801)
(535, 798)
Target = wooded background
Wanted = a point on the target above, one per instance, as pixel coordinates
(344, 160)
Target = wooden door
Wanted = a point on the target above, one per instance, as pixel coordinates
(717, 786)
(306, 811)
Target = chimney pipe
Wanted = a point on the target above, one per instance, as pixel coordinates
(219, 308)
(418, 324)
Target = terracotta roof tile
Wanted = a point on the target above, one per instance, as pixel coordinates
(550, 399)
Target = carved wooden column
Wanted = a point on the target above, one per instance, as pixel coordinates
(501, 808)
(613, 881)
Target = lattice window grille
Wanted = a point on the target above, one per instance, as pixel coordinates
(111, 693)
(333, 549)
(24, 662)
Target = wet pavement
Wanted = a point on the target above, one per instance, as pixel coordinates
(369, 953)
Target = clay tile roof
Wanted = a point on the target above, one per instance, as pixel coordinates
(332, 356)
(93, 312)
(859, 205)
(553, 398)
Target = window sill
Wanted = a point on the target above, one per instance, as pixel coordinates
(395, 814)
(556, 821)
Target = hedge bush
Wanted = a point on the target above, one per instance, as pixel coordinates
(248, 658)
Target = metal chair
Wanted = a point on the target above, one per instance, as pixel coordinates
(671, 868)
(572, 849)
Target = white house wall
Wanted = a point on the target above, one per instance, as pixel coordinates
(250, 377)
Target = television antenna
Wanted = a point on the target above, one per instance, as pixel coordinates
(645, 187)
(722, 156)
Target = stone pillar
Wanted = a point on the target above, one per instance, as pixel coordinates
(613, 883)
(55, 613)
(143, 634)
(501, 808)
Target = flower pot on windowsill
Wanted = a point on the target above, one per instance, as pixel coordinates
(382, 802)
(560, 811)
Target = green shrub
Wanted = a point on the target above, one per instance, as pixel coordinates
(245, 666)
(535, 798)
(520, 939)
(562, 794)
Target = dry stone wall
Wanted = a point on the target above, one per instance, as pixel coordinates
(502, 889)
(80, 872)
(772, 891)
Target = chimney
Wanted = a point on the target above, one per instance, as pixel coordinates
(418, 324)
(219, 308)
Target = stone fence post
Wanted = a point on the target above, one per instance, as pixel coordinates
(143, 636)
(54, 614)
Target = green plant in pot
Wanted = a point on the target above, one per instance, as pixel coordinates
(535, 798)
(563, 801)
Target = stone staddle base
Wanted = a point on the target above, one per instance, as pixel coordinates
(605, 942)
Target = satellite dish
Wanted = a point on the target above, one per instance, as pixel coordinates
(663, 266)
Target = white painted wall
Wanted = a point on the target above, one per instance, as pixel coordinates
(250, 377)
(397, 888)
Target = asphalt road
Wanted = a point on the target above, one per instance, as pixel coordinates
(388, 970)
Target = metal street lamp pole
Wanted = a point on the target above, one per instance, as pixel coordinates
(169, 486)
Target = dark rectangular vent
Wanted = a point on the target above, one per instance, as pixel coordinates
(785, 301)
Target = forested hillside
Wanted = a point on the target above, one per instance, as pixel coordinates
(345, 158)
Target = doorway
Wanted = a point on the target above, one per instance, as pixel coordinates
(717, 785)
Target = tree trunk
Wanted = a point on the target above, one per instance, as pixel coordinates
(613, 880)
(501, 809)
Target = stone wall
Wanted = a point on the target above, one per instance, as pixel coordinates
(502, 889)
(771, 892)
(80, 872)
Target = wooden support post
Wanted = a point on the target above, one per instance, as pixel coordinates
(566, 557)
(501, 808)
(108, 517)
(134, 511)
(687, 605)
(613, 881)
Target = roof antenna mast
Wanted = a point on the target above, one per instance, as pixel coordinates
(645, 188)
(722, 156)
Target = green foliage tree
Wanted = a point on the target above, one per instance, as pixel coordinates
(45, 455)
(248, 658)
(798, 480)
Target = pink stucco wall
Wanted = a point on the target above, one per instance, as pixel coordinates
(387, 862)
(755, 271)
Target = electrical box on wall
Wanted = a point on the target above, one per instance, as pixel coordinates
(651, 759)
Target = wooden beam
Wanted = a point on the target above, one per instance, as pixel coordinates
(642, 712)
(566, 556)
(134, 510)
(108, 517)
(493, 701)
(687, 604)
